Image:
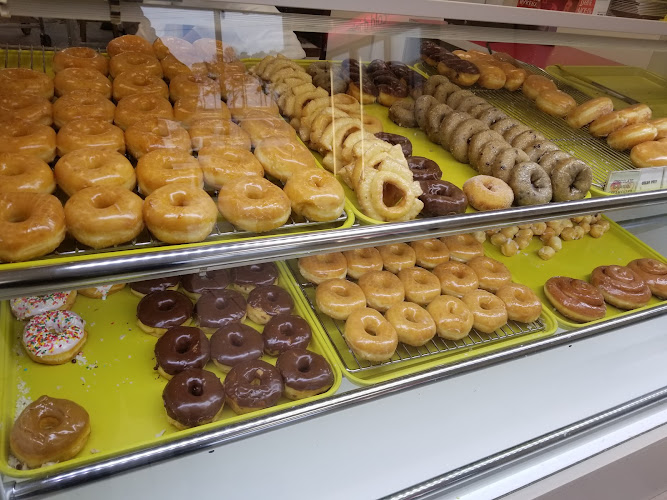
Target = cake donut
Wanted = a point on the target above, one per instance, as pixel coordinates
(378, 345)
(521, 302)
(267, 301)
(453, 319)
(193, 397)
(306, 374)
(456, 278)
(27, 307)
(197, 283)
(143, 288)
(246, 278)
(382, 289)
(414, 326)
(488, 311)
(488, 193)
(235, 343)
(159, 311)
(217, 308)
(654, 273)
(253, 385)
(421, 286)
(286, 331)
(320, 268)
(181, 348)
(362, 260)
(621, 286)
(575, 299)
(54, 337)
(338, 298)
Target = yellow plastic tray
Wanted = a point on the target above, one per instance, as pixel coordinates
(577, 259)
(117, 384)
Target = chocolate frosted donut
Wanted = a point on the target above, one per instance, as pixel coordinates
(253, 385)
(245, 278)
(159, 311)
(142, 288)
(284, 332)
(217, 308)
(424, 169)
(442, 198)
(378, 65)
(235, 343)
(404, 142)
(264, 302)
(195, 284)
(305, 373)
(181, 348)
(193, 397)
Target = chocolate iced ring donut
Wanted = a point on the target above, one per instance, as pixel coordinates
(434, 119)
(264, 302)
(143, 288)
(284, 332)
(468, 102)
(245, 278)
(433, 82)
(549, 159)
(449, 124)
(536, 149)
(195, 284)
(491, 116)
(530, 183)
(181, 348)
(402, 113)
(253, 385)
(442, 198)
(571, 180)
(460, 138)
(217, 308)
(193, 397)
(305, 373)
(477, 142)
(423, 105)
(393, 139)
(522, 140)
(424, 169)
(483, 161)
(159, 311)
(455, 98)
(506, 161)
(235, 343)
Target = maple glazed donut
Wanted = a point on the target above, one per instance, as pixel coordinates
(414, 326)
(235, 343)
(621, 286)
(89, 167)
(255, 205)
(79, 104)
(161, 167)
(89, 133)
(521, 302)
(491, 274)
(488, 193)
(338, 298)
(49, 430)
(382, 289)
(489, 312)
(181, 348)
(155, 133)
(104, 216)
(20, 81)
(397, 256)
(284, 332)
(27, 307)
(253, 385)
(320, 268)
(138, 82)
(139, 107)
(31, 225)
(27, 108)
(28, 138)
(463, 247)
(654, 273)
(193, 397)
(370, 335)
(157, 312)
(306, 374)
(453, 319)
(134, 61)
(421, 286)
(575, 299)
(217, 308)
(267, 301)
(362, 260)
(80, 57)
(224, 164)
(315, 194)
(430, 253)
(589, 111)
(54, 337)
(19, 172)
(71, 79)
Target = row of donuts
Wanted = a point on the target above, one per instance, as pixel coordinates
(420, 292)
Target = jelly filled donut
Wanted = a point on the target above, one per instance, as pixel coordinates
(143, 288)
(621, 286)
(54, 337)
(654, 273)
(193, 397)
(267, 301)
(442, 198)
(181, 348)
(197, 283)
(235, 343)
(218, 308)
(245, 278)
(253, 385)
(286, 331)
(305, 373)
(159, 311)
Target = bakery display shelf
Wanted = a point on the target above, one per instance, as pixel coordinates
(114, 379)
(409, 359)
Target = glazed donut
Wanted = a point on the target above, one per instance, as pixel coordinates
(491, 274)
(575, 299)
(27, 108)
(424, 169)
(235, 343)
(305, 373)
(49, 430)
(155, 133)
(649, 154)
(338, 298)
(20, 81)
(89, 133)
(145, 287)
(514, 76)
(382, 289)
(654, 273)
(102, 291)
(413, 325)
(442, 198)
(31, 225)
(488, 311)
(138, 82)
(571, 179)
(173, 66)
(54, 337)
(282, 157)
(320, 268)
(370, 336)
(28, 138)
(222, 165)
(430, 253)
(189, 109)
(204, 133)
(129, 43)
(606, 124)
(453, 319)
(253, 385)
(193, 397)
(631, 135)
(171, 45)
(661, 125)
(179, 213)
(255, 205)
(488, 193)
(167, 166)
(315, 195)
(157, 312)
(402, 113)
(637, 113)
(484, 160)
(589, 111)
(217, 308)
(537, 149)
(531, 184)
(26, 307)
(139, 107)
(88, 167)
(551, 158)
(456, 278)
(555, 102)
(285, 332)
(521, 302)
(71, 79)
(397, 256)
(621, 286)
(421, 286)
(260, 124)
(463, 247)
(19, 172)
(192, 85)
(534, 85)
(80, 57)
(197, 283)
(134, 61)
(362, 260)
(104, 216)
(181, 348)
(245, 278)
(79, 104)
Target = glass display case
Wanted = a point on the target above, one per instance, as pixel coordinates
(422, 243)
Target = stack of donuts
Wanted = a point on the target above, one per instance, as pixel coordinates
(458, 70)
(384, 82)
(624, 287)
(409, 293)
(336, 127)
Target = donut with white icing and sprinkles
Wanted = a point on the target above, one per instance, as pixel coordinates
(27, 307)
(54, 337)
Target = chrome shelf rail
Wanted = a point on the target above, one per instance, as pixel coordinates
(58, 276)
(84, 474)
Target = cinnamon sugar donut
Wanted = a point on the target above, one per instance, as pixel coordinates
(453, 319)
(362, 260)
(456, 278)
(489, 312)
(320, 268)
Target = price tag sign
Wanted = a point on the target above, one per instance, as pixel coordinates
(636, 181)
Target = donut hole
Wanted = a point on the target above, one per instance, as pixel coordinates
(392, 195)
(16, 215)
(183, 345)
(48, 423)
(195, 388)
